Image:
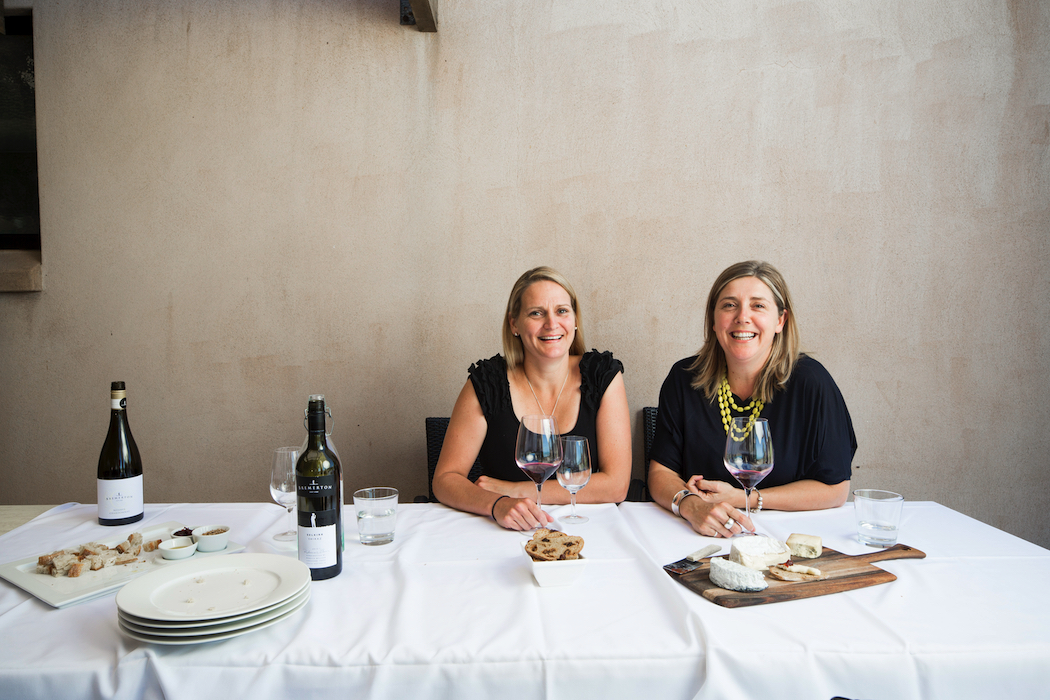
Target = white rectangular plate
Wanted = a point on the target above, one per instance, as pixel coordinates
(61, 591)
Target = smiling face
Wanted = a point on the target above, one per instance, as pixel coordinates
(746, 321)
(546, 321)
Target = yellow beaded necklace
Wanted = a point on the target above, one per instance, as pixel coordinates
(725, 401)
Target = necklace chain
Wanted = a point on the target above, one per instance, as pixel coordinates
(725, 401)
(563, 382)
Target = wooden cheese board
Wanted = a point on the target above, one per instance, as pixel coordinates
(842, 573)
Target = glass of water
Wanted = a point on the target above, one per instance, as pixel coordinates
(376, 510)
(878, 516)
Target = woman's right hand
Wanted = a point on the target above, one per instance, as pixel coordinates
(709, 515)
(519, 514)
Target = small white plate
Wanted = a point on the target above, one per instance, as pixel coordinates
(204, 638)
(210, 588)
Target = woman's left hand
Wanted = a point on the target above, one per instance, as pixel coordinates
(514, 489)
(713, 491)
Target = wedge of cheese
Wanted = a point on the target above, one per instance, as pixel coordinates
(734, 577)
(805, 546)
(758, 552)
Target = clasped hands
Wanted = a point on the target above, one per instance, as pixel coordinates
(711, 514)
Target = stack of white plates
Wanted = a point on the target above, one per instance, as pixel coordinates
(208, 600)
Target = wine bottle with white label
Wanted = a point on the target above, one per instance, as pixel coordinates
(318, 485)
(119, 467)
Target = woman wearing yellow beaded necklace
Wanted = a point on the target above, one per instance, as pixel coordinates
(749, 365)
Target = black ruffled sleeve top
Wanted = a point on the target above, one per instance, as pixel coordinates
(489, 377)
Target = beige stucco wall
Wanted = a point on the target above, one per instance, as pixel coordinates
(246, 202)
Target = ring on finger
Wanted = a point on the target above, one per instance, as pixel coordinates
(729, 524)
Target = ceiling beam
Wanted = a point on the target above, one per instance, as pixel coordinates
(422, 13)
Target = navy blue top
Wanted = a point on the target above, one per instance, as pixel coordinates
(492, 387)
(812, 432)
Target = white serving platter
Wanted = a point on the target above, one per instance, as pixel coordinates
(208, 589)
(63, 591)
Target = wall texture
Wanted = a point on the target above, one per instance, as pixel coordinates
(244, 203)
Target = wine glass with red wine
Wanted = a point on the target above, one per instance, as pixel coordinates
(538, 451)
(749, 455)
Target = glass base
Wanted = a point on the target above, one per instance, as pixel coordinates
(574, 519)
(290, 536)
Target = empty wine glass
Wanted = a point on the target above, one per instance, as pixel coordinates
(282, 487)
(538, 450)
(575, 471)
(749, 455)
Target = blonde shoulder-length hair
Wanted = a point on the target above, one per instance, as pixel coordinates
(512, 348)
(710, 364)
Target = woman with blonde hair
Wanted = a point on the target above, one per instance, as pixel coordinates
(543, 369)
(749, 365)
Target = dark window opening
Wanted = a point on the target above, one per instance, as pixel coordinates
(19, 188)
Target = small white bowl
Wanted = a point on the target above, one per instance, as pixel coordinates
(557, 573)
(177, 548)
(211, 542)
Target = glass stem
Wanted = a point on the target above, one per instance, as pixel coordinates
(572, 499)
(747, 502)
(291, 519)
(539, 495)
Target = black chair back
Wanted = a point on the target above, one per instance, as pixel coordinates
(436, 428)
(649, 424)
(639, 488)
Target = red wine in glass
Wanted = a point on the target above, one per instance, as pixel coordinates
(538, 450)
(749, 455)
(538, 471)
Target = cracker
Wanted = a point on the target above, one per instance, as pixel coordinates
(795, 572)
(552, 545)
(545, 551)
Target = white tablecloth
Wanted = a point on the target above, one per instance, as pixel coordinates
(965, 622)
(450, 610)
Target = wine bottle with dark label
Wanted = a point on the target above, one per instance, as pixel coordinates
(318, 485)
(119, 467)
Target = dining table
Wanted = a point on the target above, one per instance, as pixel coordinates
(450, 609)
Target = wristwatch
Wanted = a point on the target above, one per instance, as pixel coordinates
(676, 501)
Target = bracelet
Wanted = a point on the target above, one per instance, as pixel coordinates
(677, 499)
(759, 508)
(494, 504)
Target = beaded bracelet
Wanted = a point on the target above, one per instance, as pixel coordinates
(759, 508)
(494, 504)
